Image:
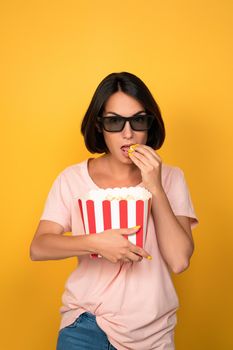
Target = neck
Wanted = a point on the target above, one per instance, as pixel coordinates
(119, 169)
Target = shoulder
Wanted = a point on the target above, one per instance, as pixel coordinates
(171, 172)
(173, 179)
(71, 177)
(74, 179)
(73, 170)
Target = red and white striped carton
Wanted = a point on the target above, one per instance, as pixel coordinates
(115, 208)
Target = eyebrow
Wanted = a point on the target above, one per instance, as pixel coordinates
(131, 116)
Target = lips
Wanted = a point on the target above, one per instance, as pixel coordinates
(126, 147)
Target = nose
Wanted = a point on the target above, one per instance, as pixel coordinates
(127, 131)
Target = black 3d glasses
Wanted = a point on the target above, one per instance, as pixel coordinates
(116, 123)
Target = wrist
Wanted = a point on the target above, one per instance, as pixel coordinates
(92, 243)
(158, 192)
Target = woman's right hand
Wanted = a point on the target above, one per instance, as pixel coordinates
(113, 246)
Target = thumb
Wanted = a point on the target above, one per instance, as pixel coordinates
(129, 231)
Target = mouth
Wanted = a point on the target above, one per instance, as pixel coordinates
(125, 148)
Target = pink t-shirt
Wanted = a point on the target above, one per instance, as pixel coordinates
(135, 303)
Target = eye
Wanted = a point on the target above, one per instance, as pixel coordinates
(113, 120)
(140, 118)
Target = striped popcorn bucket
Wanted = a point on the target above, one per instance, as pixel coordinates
(103, 214)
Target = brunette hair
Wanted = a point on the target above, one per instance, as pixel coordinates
(131, 85)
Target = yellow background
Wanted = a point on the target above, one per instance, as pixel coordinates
(53, 56)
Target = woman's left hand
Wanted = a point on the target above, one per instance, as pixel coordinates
(150, 164)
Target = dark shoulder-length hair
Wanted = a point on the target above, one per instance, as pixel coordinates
(132, 86)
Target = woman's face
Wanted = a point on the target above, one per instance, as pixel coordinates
(118, 143)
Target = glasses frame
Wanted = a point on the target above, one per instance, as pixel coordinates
(125, 119)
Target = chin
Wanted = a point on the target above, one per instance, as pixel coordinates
(126, 160)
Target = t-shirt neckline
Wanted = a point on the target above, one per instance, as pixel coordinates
(92, 183)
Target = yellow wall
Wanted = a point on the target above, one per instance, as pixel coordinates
(54, 53)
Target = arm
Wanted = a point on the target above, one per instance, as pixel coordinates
(173, 232)
(49, 243)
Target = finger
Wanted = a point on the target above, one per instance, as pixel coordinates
(147, 151)
(136, 161)
(144, 164)
(128, 231)
(140, 251)
(141, 158)
(144, 148)
(146, 156)
(133, 257)
(152, 151)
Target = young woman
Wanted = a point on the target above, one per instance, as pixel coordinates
(125, 300)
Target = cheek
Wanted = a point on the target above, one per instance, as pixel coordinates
(108, 138)
(143, 137)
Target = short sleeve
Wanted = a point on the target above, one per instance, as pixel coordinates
(57, 205)
(179, 196)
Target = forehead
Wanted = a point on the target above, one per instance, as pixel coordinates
(122, 104)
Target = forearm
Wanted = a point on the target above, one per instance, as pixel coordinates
(174, 242)
(55, 246)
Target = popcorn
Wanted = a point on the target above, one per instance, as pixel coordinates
(115, 208)
(132, 148)
(119, 193)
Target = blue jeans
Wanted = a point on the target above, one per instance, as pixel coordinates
(83, 334)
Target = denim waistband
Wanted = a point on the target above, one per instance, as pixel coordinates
(89, 316)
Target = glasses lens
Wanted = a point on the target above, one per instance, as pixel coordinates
(137, 123)
(142, 122)
(113, 123)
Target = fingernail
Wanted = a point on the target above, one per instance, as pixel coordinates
(149, 257)
(136, 227)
